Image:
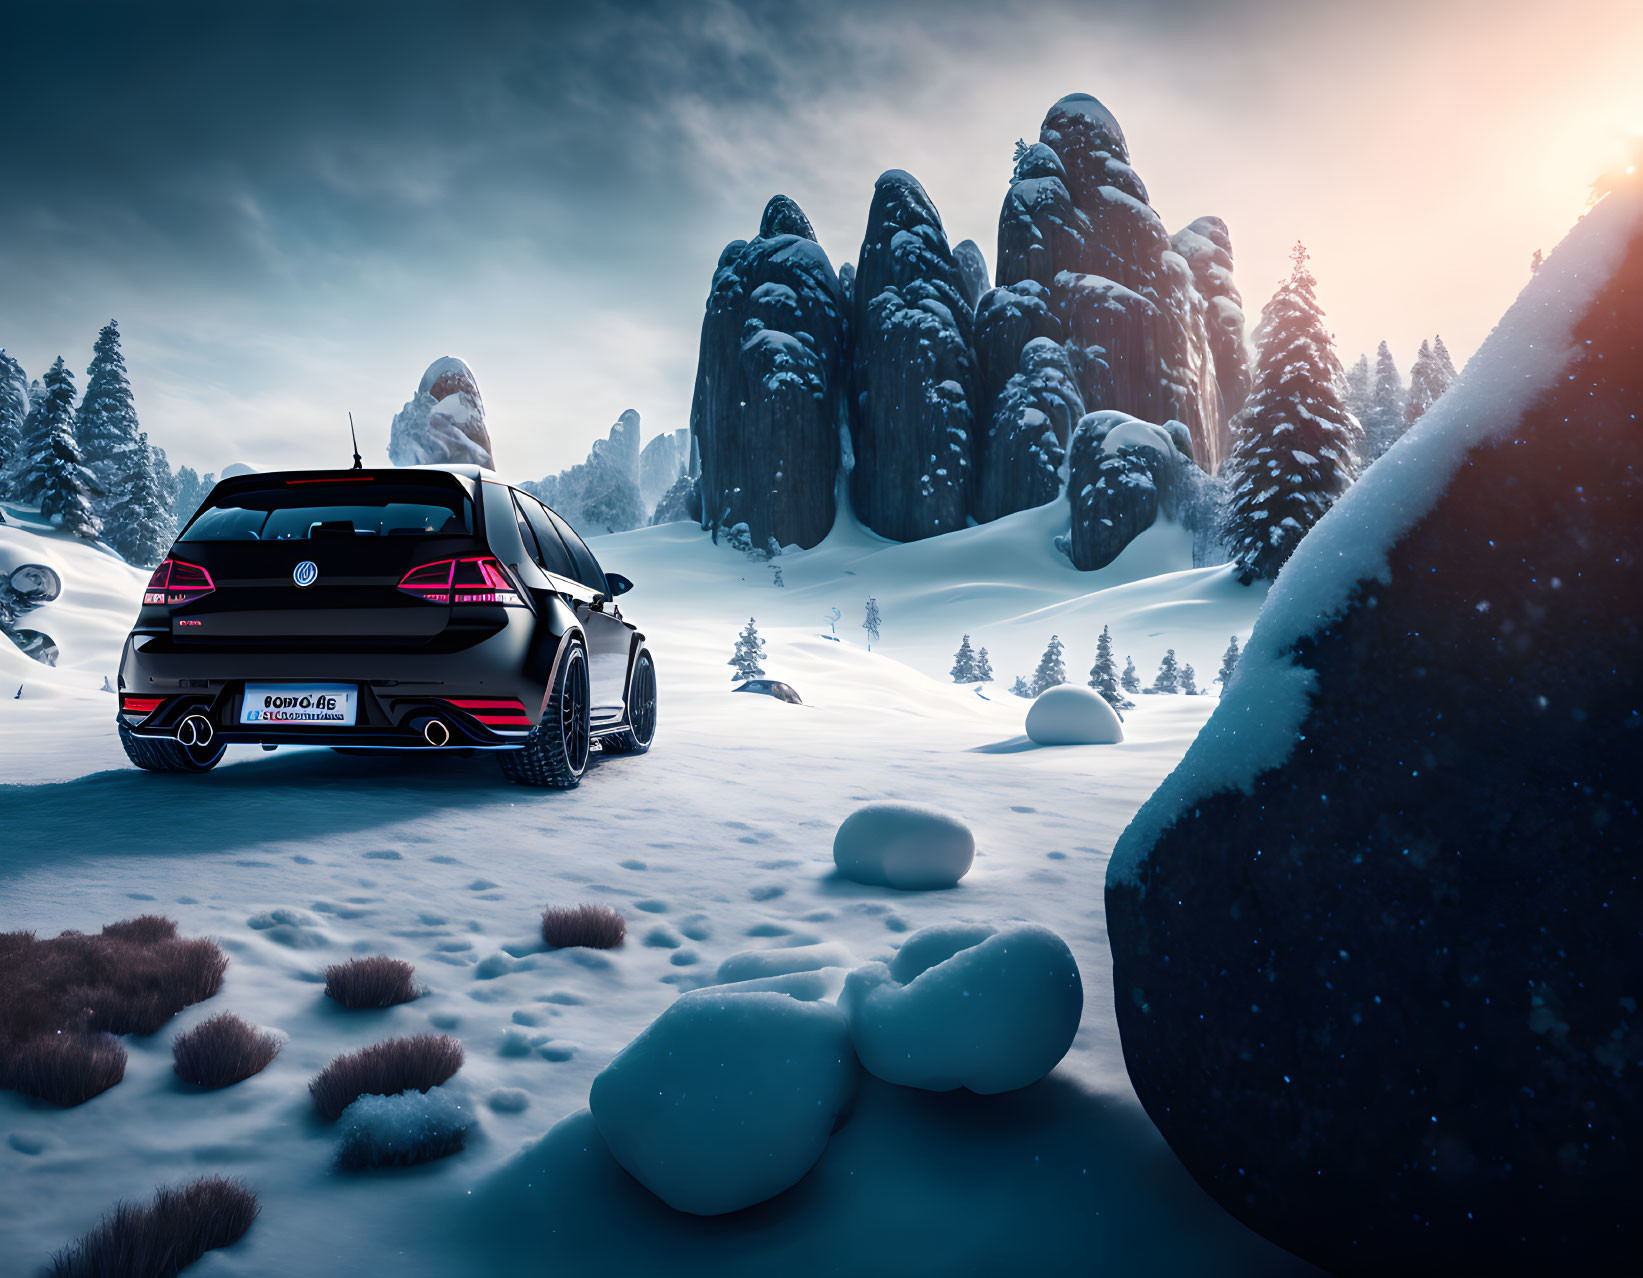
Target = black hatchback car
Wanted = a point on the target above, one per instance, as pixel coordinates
(422, 608)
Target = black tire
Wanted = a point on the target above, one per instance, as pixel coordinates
(641, 729)
(556, 753)
(162, 754)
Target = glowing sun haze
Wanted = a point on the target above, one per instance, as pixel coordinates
(293, 208)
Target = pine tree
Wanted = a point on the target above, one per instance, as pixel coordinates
(1360, 386)
(14, 411)
(1050, 670)
(749, 653)
(1384, 423)
(1445, 366)
(871, 625)
(1423, 386)
(55, 477)
(106, 426)
(1104, 673)
(964, 663)
(191, 493)
(1189, 680)
(1293, 442)
(1020, 688)
(138, 522)
(1129, 681)
(1229, 663)
(1169, 675)
(984, 668)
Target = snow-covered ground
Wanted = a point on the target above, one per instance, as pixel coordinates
(717, 842)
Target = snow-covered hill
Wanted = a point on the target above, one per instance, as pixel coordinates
(717, 842)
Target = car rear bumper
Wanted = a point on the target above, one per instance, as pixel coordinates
(399, 693)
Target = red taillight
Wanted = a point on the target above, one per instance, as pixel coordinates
(140, 705)
(478, 579)
(494, 713)
(176, 582)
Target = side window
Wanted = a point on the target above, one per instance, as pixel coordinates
(588, 571)
(525, 534)
(555, 556)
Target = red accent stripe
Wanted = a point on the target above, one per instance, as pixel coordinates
(343, 479)
(504, 721)
(143, 705)
(465, 704)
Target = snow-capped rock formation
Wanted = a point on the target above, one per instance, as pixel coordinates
(1122, 473)
(661, 463)
(903, 845)
(1143, 334)
(1028, 428)
(1375, 942)
(912, 371)
(1206, 246)
(727, 1098)
(972, 270)
(444, 422)
(966, 1005)
(770, 385)
(600, 495)
(683, 501)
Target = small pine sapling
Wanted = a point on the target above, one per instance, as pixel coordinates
(1051, 670)
(964, 663)
(871, 624)
(1129, 681)
(1189, 680)
(1169, 675)
(1229, 663)
(1020, 688)
(748, 654)
(984, 668)
(1104, 673)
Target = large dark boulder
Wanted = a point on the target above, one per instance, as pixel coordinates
(1378, 940)
(771, 385)
(1122, 473)
(912, 370)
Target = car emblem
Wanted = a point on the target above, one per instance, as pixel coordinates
(306, 573)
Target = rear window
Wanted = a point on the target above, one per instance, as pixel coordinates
(299, 512)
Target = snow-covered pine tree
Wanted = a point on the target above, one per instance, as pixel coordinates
(964, 663)
(106, 427)
(1051, 670)
(14, 411)
(1423, 386)
(1189, 679)
(1446, 370)
(1129, 681)
(1020, 688)
(871, 624)
(137, 519)
(56, 478)
(191, 493)
(1229, 663)
(1360, 384)
(1104, 673)
(1169, 675)
(984, 668)
(1293, 442)
(749, 653)
(1384, 423)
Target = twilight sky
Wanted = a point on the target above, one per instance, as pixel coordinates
(292, 208)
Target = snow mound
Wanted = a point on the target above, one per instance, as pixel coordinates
(965, 1005)
(727, 1098)
(752, 965)
(401, 1131)
(902, 845)
(1068, 714)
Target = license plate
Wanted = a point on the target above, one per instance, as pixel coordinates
(332, 705)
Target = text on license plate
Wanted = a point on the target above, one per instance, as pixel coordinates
(331, 704)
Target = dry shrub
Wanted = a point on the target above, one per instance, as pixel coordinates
(61, 998)
(385, 1069)
(378, 981)
(164, 1237)
(222, 1050)
(596, 926)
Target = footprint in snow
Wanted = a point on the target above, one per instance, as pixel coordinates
(632, 864)
(481, 885)
(684, 958)
(696, 927)
(767, 929)
(650, 906)
(662, 938)
(384, 854)
(767, 891)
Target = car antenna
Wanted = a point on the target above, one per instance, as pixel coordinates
(358, 464)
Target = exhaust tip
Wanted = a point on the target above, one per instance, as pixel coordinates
(195, 730)
(435, 733)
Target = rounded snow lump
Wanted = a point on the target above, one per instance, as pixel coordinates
(963, 1005)
(902, 845)
(1071, 715)
(727, 1098)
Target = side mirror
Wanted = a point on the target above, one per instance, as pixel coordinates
(617, 584)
